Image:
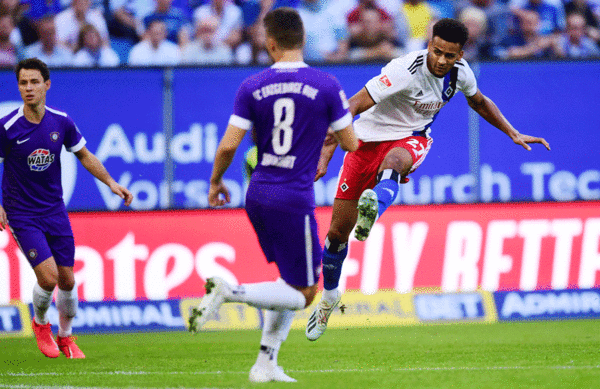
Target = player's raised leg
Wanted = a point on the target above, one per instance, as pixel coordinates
(334, 252)
(265, 295)
(373, 202)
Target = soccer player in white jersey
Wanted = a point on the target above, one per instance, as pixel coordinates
(397, 109)
(31, 139)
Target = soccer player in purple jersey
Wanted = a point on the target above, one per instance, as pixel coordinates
(31, 139)
(397, 109)
(290, 106)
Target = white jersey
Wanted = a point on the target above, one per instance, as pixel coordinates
(408, 97)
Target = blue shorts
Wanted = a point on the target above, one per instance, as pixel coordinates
(289, 239)
(42, 237)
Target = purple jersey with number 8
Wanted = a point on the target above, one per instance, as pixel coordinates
(290, 106)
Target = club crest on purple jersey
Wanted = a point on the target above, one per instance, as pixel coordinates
(32, 254)
(40, 160)
(54, 136)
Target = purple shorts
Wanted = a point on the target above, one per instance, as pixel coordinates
(290, 239)
(42, 237)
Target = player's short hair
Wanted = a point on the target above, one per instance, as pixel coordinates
(451, 30)
(285, 26)
(33, 64)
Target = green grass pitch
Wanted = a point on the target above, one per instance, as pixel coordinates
(553, 354)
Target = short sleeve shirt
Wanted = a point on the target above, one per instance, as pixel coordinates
(31, 181)
(290, 107)
(408, 97)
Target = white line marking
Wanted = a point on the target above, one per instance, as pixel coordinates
(83, 387)
(218, 372)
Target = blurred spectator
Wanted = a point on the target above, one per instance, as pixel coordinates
(551, 16)
(95, 4)
(500, 21)
(204, 49)
(392, 7)
(419, 15)
(70, 21)
(8, 51)
(230, 20)
(385, 19)
(583, 7)
(174, 18)
(528, 42)
(443, 8)
(38, 9)
(591, 19)
(24, 32)
(477, 46)
(92, 50)
(155, 50)
(125, 18)
(48, 49)
(253, 50)
(371, 38)
(326, 34)
(574, 43)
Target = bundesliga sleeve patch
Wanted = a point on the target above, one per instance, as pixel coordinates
(383, 83)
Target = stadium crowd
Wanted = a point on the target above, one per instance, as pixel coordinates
(109, 33)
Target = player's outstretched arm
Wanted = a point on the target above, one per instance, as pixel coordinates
(486, 108)
(326, 154)
(3, 219)
(347, 141)
(347, 138)
(360, 102)
(94, 166)
(225, 152)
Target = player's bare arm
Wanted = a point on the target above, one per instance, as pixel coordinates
(3, 219)
(359, 103)
(225, 153)
(347, 141)
(94, 166)
(486, 108)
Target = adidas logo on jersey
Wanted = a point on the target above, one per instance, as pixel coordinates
(419, 93)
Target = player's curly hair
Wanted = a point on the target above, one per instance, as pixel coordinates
(285, 26)
(33, 64)
(451, 30)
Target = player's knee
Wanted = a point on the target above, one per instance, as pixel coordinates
(66, 284)
(399, 161)
(48, 280)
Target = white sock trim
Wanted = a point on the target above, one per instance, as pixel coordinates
(42, 299)
(331, 295)
(66, 304)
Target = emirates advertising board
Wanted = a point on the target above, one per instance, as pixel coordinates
(438, 248)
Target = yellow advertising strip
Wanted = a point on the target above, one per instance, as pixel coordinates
(490, 306)
(231, 316)
(386, 308)
(7, 327)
